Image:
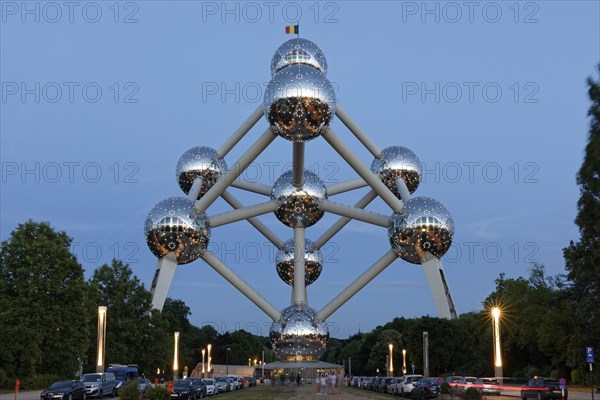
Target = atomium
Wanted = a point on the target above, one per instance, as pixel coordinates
(298, 51)
(299, 103)
(398, 162)
(174, 226)
(299, 204)
(299, 335)
(424, 226)
(199, 162)
(313, 262)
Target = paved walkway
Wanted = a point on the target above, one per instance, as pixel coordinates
(310, 392)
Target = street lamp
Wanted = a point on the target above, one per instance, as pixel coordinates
(249, 361)
(496, 337)
(203, 369)
(208, 347)
(227, 361)
(387, 365)
(101, 338)
(403, 361)
(176, 355)
(391, 361)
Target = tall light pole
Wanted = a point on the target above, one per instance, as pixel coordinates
(497, 349)
(403, 361)
(176, 356)
(227, 361)
(208, 347)
(391, 360)
(263, 366)
(387, 365)
(101, 339)
(203, 369)
(349, 366)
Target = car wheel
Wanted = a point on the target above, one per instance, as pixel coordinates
(100, 394)
(523, 396)
(70, 396)
(84, 396)
(539, 396)
(114, 392)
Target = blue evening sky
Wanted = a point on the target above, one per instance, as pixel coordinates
(100, 99)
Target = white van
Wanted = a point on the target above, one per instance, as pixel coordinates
(100, 384)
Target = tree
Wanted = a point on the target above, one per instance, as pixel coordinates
(379, 351)
(583, 257)
(42, 303)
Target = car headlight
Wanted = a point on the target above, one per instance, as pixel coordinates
(119, 384)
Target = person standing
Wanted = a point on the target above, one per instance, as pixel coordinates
(323, 384)
(332, 382)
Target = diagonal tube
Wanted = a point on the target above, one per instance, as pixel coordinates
(195, 189)
(357, 285)
(241, 131)
(403, 189)
(342, 222)
(255, 222)
(243, 213)
(241, 285)
(362, 170)
(347, 186)
(163, 276)
(436, 280)
(354, 213)
(231, 175)
(355, 129)
(253, 187)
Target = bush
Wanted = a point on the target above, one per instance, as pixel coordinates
(472, 394)
(4, 380)
(157, 392)
(41, 381)
(445, 388)
(576, 376)
(131, 391)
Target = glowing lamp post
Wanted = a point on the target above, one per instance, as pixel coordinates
(176, 356)
(101, 339)
(391, 366)
(209, 359)
(403, 361)
(496, 338)
(203, 369)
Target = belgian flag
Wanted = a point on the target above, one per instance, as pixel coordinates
(292, 29)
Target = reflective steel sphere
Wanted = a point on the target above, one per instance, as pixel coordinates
(299, 335)
(298, 51)
(398, 162)
(299, 204)
(174, 226)
(284, 262)
(299, 103)
(424, 226)
(199, 162)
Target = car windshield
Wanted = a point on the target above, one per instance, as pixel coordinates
(414, 379)
(209, 381)
(141, 380)
(182, 384)
(119, 375)
(429, 381)
(470, 380)
(60, 384)
(490, 381)
(220, 379)
(91, 378)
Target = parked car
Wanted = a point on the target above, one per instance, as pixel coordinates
(211, 386)
(453, 382)
(251, 381)
(426, 388)
(100, 384)
(406, 384)
(466, 382)
(391, 386)
(382, 387)
(542, 388)
(237, 381)
(144, 384)
(124, 373)
(224, 384)
(184, 389)
(200, 386)
(64, 390)
(489, 386)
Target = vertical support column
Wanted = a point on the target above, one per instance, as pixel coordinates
(176, 356)
(299, 266)
(434, 273)
(165, 269)
(101, 349)
(298, 164)
(426, 354)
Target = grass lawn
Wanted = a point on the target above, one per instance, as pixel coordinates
(262, 392)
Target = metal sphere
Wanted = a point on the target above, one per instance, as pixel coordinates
(313, 261)
(299, 103)
(424, 226)
(199, 162)
(398, 162)
(299, 204)
(299, 335)
(298, 51)
(175, 226)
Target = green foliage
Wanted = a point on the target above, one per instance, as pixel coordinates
(472, 394)
(157, 392)
(38, 381)
(576, 376)
(130, 391)
(42, 303)
(445, 388)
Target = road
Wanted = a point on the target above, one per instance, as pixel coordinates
(32, 395)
